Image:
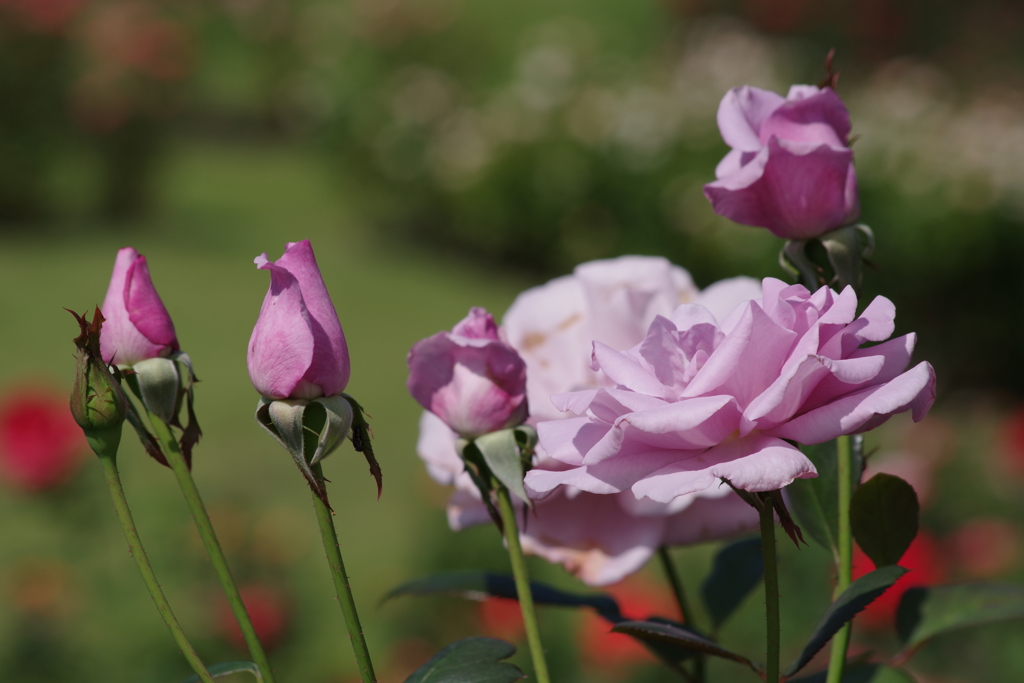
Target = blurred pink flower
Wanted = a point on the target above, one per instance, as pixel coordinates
(697, 401)
(44, 16)
(137, 325)
(469, 377)
(297, 349)
(133, 52)
(267, 608)
(790, 169)
(40, 445)
(601, 539)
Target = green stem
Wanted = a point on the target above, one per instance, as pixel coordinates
(771, 589)
(841, 641)
(131, 534)
(341, 586)
(669, 567)
(515, 553)
(213, 549)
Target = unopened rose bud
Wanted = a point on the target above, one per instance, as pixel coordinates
(98, 404)
(138, 336)
(137, 325)
(297, 349)
(470, 377)
(791, 167)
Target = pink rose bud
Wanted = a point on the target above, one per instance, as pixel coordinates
(470, 377)
(791, 168)
(136, 326)
(297, 349)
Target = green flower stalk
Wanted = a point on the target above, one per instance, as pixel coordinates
(140, 338)
(100, 408)
(298, 362)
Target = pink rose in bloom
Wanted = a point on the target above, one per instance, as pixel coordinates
(601, 539)
(297, 349)
(469, 377)
(791, 168)
(41, 446)
(137, 325)
(699, 401)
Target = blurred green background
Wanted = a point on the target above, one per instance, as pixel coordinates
(442, 154)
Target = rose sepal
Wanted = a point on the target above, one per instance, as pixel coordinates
(846, 250)
(309, 430)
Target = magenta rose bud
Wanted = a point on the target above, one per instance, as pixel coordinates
(791, 168)
(297, 349)
(470, 377)
(137, 326)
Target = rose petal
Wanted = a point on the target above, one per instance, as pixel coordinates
(756, 463)
(282, 342)
(912, 389)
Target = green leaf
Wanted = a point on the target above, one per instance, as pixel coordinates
(470, 660)
(501, 453)
(736, 570)
(477, 585)
(883, 517)
(862, 673)
(661, 632)
(226, 669)
(859, 595)
(814, 501)
(928, 612)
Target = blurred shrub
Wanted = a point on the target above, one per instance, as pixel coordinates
(92, 76)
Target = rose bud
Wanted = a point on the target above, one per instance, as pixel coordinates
(136, 324)
(470, 377)
(297, 349)
(138, 336)
(98, 404)
(791, 168)
(298, 361)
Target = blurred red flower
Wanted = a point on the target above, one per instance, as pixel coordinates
(43, 16)
(599, 648)
(502, 618)
(1013, 442)
(268, 610)
(927, 567)
(40, 444)
(984, 547)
